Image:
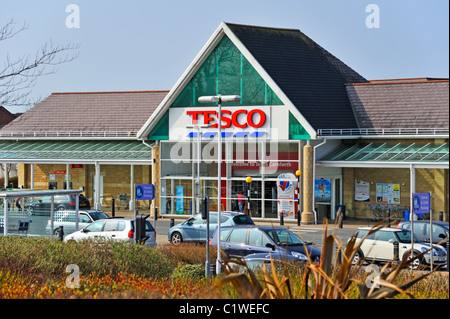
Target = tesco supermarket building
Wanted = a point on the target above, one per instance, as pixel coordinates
(301, 109)
(363, 144)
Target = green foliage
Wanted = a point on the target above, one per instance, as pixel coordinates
(189, 272)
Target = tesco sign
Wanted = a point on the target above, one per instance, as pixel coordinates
(270, 122)
(239, 118)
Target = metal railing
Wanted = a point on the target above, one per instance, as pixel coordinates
(71, 134)
(384, 132)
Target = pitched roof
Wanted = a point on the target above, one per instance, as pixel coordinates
(403, 103)
(88, 112)
(6, 116)
(311, 77)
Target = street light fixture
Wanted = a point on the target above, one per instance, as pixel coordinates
(219, 99)
(248, 180)
(298, 173)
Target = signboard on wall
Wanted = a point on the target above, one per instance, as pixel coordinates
(145, 192)
(362, 191)
(322, 191)
(267, 122)
(286, 185)
(421, 203)
(388, 193)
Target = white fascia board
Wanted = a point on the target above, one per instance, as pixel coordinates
(181, 83)
(268, 79)
(75, 161)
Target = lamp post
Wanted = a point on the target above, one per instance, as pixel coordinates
(248, 180)
(219, 99)
(298, 173)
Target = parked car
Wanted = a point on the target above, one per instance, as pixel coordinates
(67, 219)
(421, 230)
(60, 202)
(379, 247)
(120, 229)
(194, 228)
(240, 241)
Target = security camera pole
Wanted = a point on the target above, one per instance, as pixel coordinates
(220, 99)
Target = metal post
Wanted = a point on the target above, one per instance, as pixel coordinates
(77, 212)
(61, 233)
(396, 252)
(281, 218)
(52, 217)
(172, 222)
(207, 264)
(113, 208)
(389, 217)
(5, 219)
(219, 186)
(441, 216)
(448, 259)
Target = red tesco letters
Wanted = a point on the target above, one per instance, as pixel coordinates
(230, 118)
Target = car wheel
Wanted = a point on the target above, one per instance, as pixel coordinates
(414, 265)
(358, 258)
(176, 238)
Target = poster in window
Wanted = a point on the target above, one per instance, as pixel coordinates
(388, 193)
(362, 191)
(180, 200)
(322, 191)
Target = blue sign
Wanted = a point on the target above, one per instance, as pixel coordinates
(421, 203)
(180, 199)
(145, 192)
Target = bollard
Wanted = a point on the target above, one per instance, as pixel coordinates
(282, 218)
(172, 222)
(113, 207)
(441, 216)
(340, 216)
(389, 217)
(299, 218)
(61, 233)
(396, 253)
(155, 214)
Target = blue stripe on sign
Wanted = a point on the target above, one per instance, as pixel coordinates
(241, 134)
(192, 134)
(257, 134)
(209, 134)
(226, 134)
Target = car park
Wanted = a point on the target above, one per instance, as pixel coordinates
(422, 230)
(60, 202)
(379, 247)
(241, 241)
(120, 229)
(68, 218)
(194, 228)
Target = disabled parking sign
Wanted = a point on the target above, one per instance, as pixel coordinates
(145, 192)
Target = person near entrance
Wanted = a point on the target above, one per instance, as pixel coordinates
(241, 201)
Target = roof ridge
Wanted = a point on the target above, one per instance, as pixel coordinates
(262, 27)
(395, 82)
(107, 92)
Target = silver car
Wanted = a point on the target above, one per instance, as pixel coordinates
(67, 219)
(120, 229)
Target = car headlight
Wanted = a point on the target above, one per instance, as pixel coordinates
(298, 255)
(423, 249)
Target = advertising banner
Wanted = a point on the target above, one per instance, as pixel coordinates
(362, 191)
(286, 185)
(322, 191)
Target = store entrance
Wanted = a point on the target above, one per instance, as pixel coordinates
(242, 187)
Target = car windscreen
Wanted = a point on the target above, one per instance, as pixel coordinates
(284, 237)
(98, 215)
(243, 220)
(405, 236)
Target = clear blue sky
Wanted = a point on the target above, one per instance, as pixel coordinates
(147, 45)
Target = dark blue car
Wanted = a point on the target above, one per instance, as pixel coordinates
(240, 241)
